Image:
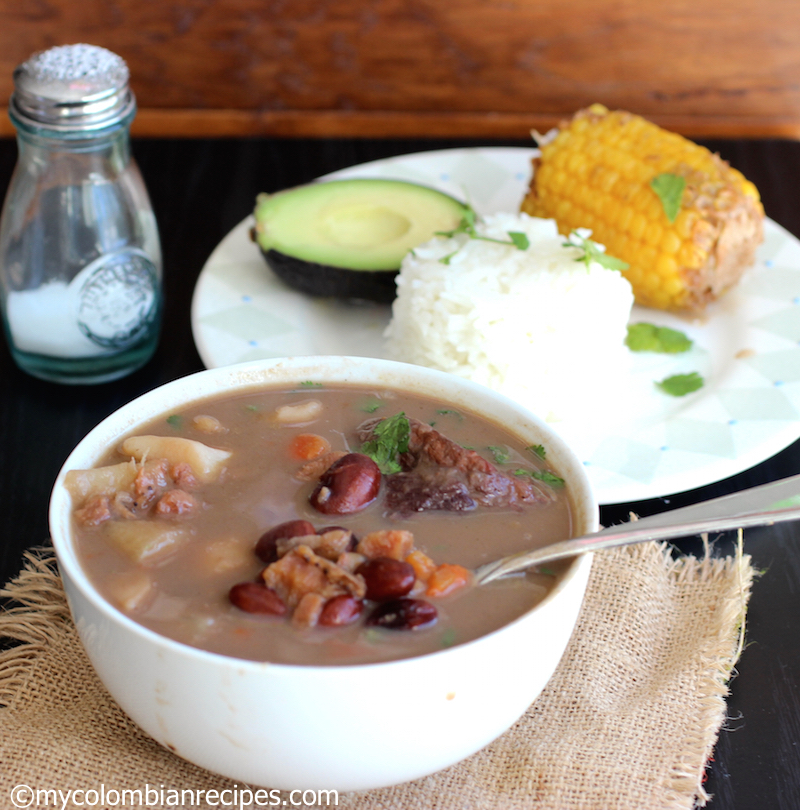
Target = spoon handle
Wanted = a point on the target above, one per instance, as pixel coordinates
(770, 503)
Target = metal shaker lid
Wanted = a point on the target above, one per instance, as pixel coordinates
(75, 89)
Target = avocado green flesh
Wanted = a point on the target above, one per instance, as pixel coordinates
(356, 225)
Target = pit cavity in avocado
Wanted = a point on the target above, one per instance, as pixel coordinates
(347, 238)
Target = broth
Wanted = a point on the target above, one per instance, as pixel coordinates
(181, 587)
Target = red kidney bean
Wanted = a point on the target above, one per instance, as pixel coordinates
(266, 546)
(255, 597)
(340, 610)
(387, 578)
(404, 614)
(347, 486)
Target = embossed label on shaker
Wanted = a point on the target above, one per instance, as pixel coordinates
(117, 298)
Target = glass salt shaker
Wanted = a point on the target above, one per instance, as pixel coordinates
(80, 258)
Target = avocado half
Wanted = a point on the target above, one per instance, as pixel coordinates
(347, 238)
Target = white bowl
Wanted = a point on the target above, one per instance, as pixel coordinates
(277, 725)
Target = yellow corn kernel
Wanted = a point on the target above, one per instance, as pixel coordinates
(633, 274)
(563, 210)
(638, 224)
(691, 256)
(641, 198)
(647, 258)
(653, 233)
(666, 266)
(559, 180)
(672, 285)
(625, 217)
(670, 242)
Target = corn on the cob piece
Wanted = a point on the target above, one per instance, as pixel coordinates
(596, 174)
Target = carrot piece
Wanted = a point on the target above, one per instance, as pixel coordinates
(446, 579)
(422, 564)
(308, 446)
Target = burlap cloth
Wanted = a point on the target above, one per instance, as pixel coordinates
(628, 721)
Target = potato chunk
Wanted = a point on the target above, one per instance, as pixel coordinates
(299, 413)
(85, 484)
(146, 541)
(227, 554)
(206, 462)
(133, 591)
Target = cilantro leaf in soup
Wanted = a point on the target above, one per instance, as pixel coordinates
(537, 450)
(448, 637)
(500, 454)
(371, 406)
(669, 189)
(310, 384)
(647, 337)
(389, 440)
(545, 476)
(175, 421)
(549, 478)
(679, 385)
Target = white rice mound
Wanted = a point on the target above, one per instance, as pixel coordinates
(535, 324)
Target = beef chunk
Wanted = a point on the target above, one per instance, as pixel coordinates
(438, 473)
(409, 492)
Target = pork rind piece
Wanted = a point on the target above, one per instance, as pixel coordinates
(350, 560)
(394, 543)
(95, 511)
(331, 544)
(146, 542)
(206, 462)
(307, 612)
(86, 484)
(150, 482)
(301, 571)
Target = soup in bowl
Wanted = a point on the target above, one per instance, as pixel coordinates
(270, 566)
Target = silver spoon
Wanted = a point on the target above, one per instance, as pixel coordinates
(764, 505)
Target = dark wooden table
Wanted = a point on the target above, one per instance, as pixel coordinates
(200, 190)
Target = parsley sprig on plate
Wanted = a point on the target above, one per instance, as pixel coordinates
(592, 251)
(467, 226)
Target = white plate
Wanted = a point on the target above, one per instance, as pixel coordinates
(747, 346)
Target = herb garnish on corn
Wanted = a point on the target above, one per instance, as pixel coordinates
(685, 221)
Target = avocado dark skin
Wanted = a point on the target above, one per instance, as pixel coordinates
(325, 281)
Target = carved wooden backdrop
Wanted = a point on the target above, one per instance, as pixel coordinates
(430, 67)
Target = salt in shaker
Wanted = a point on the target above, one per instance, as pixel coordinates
(80, 259)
